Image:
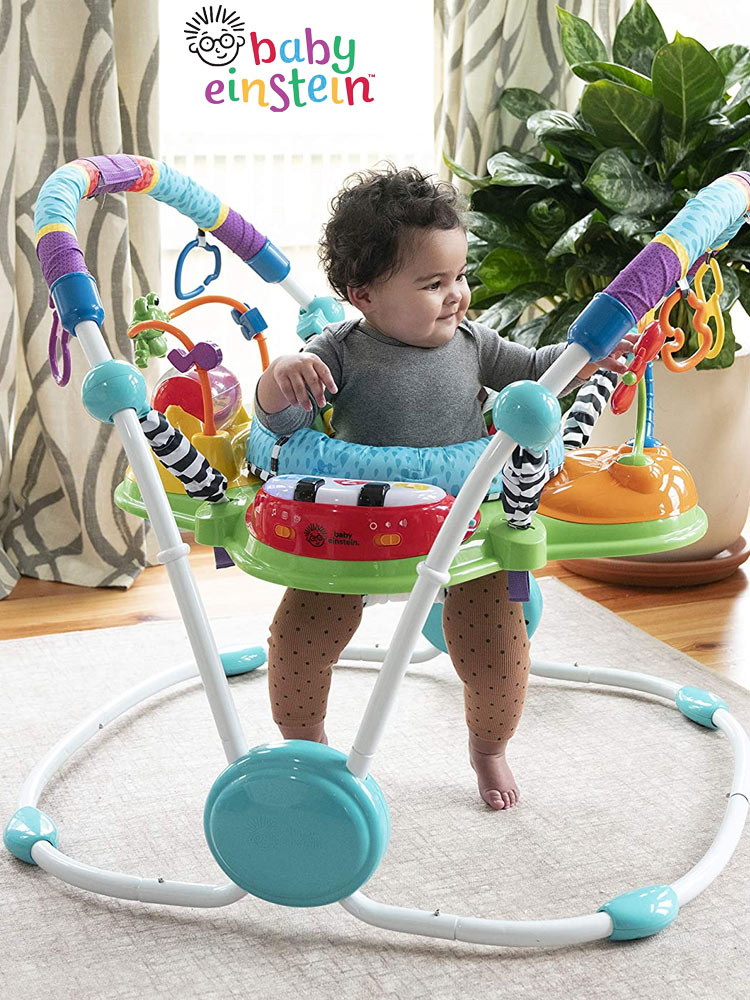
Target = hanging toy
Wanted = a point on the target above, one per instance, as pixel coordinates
(148, 343)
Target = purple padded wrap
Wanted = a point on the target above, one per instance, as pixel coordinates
(646, 279)
(116, 173)
(239, 236)
(59, 253)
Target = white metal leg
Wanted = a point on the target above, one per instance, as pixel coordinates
(592, 927)
(174, 555)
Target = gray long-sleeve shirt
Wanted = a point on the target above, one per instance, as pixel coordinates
(391, 393)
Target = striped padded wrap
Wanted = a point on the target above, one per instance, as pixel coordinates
(176, 453)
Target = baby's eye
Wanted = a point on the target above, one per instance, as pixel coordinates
(435, 285)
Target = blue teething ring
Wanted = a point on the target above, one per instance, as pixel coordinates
(212, 248)
(288, 822)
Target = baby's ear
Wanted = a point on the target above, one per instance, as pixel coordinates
(240, 41)
(359, 296)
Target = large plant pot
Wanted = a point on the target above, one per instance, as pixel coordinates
(704, 417)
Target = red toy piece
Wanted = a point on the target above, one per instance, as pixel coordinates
(351, 519)
(646, 350)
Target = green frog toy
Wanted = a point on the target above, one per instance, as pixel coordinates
(149, 343)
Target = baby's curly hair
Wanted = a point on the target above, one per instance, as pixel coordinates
(363, 239)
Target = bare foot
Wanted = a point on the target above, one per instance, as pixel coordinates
(316, 732)
(497, 786)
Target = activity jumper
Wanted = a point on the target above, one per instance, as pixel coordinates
(302, 824)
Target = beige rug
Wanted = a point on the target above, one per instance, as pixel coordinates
(618, 792)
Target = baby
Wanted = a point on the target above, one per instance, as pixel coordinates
(412, 372)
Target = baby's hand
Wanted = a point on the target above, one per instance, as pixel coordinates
(287, 379)
(614, 361)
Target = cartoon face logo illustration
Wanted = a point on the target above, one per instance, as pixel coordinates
(315, 535)
(215, 37)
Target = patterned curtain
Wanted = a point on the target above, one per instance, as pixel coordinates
(76, 79)
(484, 46)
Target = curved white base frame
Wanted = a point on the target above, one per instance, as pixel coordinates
(477, 930)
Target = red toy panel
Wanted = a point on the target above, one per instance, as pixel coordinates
(353, 519)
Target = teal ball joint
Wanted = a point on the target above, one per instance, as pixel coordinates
(529, 413)
(112, 386)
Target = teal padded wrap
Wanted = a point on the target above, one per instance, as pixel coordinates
(699, 705)
(59, 198)
(707, 216)
(187, 196)
(308, 452)
(642, 912)
(26, 827)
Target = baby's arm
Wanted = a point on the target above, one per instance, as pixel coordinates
(504, 361)
(291, 391)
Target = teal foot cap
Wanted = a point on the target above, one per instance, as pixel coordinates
(289, 823)
(642, 912)
(699, 705)
(242, 660)
(25, 827)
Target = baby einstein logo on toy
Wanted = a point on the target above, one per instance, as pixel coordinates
(294, 72)
(215, 38)
(315, 535)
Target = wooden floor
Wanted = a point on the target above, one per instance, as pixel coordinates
(710, 623)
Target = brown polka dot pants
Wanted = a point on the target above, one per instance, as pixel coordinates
(486, 636)
(307, 636)
(484, 630)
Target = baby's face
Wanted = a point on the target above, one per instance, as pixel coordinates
(423, 303)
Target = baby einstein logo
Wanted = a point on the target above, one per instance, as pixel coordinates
(215, 38)
(282, 81)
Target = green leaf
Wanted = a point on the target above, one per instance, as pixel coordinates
(726, 161)
(593, 71)
(520, 102)
(733, 61)
(580, 43)
(482, 296)
(586, 229)
(688, 82)
(621, 116)
(504, 269)
(559, 320)
(509, 170)
(465, 175)
(743, 280)
(621, 186)
(547, 216)
(529, 333)
(510, 307)
(632, 225)
(498, 231)
(561, 132)
(638, 38)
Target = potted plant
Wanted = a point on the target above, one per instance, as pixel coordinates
(656, 122)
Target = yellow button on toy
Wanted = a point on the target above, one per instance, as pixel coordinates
(392, 539)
